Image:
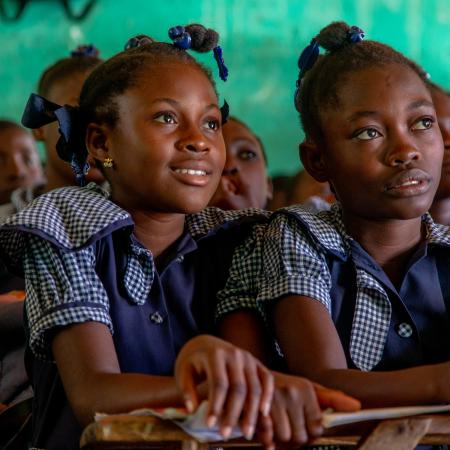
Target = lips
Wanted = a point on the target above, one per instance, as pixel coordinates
(408, 183)
(193, 173)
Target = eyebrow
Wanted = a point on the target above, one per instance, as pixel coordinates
(414, 105)
(174, 103)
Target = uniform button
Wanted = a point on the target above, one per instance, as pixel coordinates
(180, 258)
(404, 330)
(156, 318)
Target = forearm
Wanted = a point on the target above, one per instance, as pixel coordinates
(123, 392)
(418, 385)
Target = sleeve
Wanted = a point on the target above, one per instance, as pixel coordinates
(241, 288)
(292, 264)
(62, 288)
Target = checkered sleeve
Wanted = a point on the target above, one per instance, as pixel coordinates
(241, 288)
(292, 264)
(62, 288)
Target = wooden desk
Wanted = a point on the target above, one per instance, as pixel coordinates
(127, 432)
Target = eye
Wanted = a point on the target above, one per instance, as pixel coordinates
(367, 134)
(212, 124)
(247, 155)
(423, 124)
(165, 117)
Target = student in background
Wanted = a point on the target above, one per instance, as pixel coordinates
(61, 84)
(357, 296)
(20, 167)
(245, 182)
(440, 209)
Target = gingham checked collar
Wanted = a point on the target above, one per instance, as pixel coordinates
(74, 217)
(372, 315)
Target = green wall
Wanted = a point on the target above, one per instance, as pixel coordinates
(261, 42)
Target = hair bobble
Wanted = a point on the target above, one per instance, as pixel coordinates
(355, 34)
(85, 50)
(138, 41)
(180, 37)
(305, 61)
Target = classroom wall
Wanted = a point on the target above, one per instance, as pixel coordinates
(261, 40)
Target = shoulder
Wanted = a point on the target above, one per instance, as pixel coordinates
(70, 217)
(324, 228)
(212, 219)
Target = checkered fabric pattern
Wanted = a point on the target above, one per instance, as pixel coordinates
(293, 249)
(53, 241)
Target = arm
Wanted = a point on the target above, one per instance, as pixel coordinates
(313, 349)
(92, 379)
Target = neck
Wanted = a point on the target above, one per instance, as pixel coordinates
(390, 242)
(55, 179)
(157, 231)
(440, 211)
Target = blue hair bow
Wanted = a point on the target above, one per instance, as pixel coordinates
(355, 34)
(180, 37)
(70, 146)
(85, 50)
(223, 70)
(306, 60)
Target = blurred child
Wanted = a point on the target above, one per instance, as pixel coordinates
(118, 285)
(440, 209)
(245, 182)
(19, 160)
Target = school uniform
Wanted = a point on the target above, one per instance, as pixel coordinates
(82, 263)
(380, 327)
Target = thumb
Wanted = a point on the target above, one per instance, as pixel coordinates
(337, 400)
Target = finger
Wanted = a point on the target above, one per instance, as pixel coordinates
(312, 414)
(237, 393)
(264, 432)
(217, 379)
(185, 379)
(280, 420)
(329, 398)
(267, 389)
(252, 402)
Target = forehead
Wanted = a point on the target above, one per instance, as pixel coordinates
(391, 85)
(12, 137)
(176, 80)
(234, 131)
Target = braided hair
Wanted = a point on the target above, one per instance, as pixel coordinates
(319, 85)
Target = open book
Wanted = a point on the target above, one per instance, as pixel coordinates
(194, 424)
(334, 419)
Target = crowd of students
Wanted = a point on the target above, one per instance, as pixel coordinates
(153, 275)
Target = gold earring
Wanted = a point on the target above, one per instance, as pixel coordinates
(108, 163)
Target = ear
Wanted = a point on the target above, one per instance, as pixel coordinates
(97, 140)
(269, 189)
(312, 159)
(39, 134)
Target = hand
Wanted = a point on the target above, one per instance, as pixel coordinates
(296, 414)
(239, 386)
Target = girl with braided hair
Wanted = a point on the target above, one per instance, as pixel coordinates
(120, 285)
(358, 296)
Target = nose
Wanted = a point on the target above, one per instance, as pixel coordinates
(231, 166)
(403, 153)
(193, 141)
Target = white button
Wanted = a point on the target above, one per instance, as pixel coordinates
(156, 318)
(180, 258)
(404, 330)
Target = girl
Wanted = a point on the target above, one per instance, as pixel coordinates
(118, 287)
(244, 182)
(440, 209)
(358, 296)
